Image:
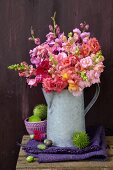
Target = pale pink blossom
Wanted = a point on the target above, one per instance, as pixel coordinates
(85, 36)
(35, 60)
(60, 57)
(99, 67)
(86, 62)
(76, 30)
(83, 84)
(33, 52)
(93, 76)
(73, 48)
(32, 82)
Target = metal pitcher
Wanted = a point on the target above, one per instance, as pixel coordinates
(66, 115)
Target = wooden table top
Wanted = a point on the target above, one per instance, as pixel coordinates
(22, 164)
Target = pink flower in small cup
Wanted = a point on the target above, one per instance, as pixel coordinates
(86, 62)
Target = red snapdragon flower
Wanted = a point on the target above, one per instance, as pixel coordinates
(38, 135)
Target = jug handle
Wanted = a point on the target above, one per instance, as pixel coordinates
(93, 100)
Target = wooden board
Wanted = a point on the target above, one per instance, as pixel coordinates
(22, 164)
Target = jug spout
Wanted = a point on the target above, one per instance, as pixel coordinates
(48, 97)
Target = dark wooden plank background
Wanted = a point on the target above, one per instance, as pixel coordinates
(16, 99)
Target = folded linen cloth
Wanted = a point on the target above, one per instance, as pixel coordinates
(96, 149)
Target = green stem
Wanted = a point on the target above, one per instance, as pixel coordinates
(54, 23)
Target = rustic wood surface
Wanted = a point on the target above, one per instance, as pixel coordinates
(22, 164)
(16, 99)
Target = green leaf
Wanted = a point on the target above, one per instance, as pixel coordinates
(83, 75)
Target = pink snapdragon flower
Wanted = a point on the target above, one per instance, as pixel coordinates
(76, 35)
(85, 36)
(37, 41)
(33, 52)
(93, 76)
(94, 45)
(60, 84)
(48, 84)
(83, 84)
(61, 56)
(28, 70)
(42, 50)
(76, 30)
(50, 37)
(99, 67)
(86, 62)
(32, 82)
(35, 60)
(85, 50)
(56, 84)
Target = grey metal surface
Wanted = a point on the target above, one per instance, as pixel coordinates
(65, 115)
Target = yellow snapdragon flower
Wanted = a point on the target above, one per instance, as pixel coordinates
(72, 86)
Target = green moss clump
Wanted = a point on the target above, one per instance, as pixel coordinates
(80, 139)
(40, 111)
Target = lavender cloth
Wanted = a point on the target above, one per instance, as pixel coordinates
(96, 149)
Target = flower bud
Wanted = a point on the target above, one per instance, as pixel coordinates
(32, 31)
(87, 27)
(82, 25)
(30, 38)
(51, 28)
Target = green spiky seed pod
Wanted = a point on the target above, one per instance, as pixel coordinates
(40, 111)
(80, 139)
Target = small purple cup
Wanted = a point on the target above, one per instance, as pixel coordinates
(32, 126)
